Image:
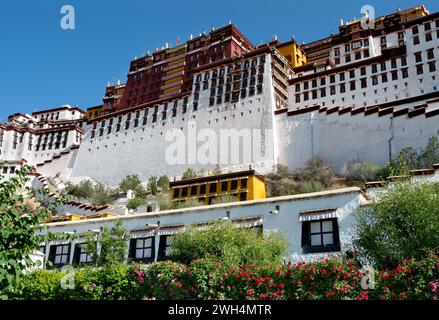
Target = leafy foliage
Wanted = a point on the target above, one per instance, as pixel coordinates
(228, 244)
(152, 185)
(217, 170)
(96, 192)
(20, 217)
(408, 159)
(328, 279)
(360, 171)
(112, 244)
(163, 183)
(132, 182)
(225, 199)
(189, 174)
(133, 204)
(316, 169)
(315, 176)
(403, 223)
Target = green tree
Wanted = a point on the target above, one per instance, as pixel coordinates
(232, 246)
(112, 243)
(189, 174)
(217, 170)
(152, 185)
(430, 155)
(360, 171)
(283, 182)
(21, 216)
(403, 223)
(163, 183)
(408, 159)
(132, 182)
(82, 190)
(133, 204)
(316, 169)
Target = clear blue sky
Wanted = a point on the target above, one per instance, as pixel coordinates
(43, 66)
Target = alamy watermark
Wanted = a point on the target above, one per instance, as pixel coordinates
(223, 146)
(68, 19)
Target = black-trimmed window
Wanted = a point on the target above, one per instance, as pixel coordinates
(81, 256)
(224, 186)
(320, 236)
(165, 246)
(142, 249)
(244, 183)
(59, 255)
(212, 187)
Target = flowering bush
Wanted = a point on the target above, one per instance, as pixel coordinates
(326, 279)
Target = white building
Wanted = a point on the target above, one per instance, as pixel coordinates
(315, 225)
(365, 93)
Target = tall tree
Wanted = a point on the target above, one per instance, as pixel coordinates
(21, 216)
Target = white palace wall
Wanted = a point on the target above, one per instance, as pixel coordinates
(340, 138)
(142, 150)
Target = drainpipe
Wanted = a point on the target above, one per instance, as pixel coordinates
(391, 138)
(312, 134)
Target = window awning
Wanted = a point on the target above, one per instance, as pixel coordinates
(143, 233)
(248, 222)
(59, 242)
(318, 215)
(170, 230)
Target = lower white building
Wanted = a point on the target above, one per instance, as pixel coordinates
(315, 224)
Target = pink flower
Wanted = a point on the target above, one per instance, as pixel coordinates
(94, 285)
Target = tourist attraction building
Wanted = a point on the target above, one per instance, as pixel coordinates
(361, 94)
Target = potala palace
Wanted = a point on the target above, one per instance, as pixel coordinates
(362, 94)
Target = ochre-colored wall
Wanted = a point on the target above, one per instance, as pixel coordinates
(295, 56)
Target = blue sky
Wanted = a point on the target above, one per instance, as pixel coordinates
(43, 66)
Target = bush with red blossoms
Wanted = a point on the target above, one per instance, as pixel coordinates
(326, 279)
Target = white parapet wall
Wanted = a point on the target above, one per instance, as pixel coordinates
(372, 135)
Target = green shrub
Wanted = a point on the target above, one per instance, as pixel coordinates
(228, 244)
(325, 279)
(362, 171)
(316, 169)
(408, 159)
(163, 183)
(403, 222)
(97, 193)
(133, 204)
(112, 245)
(189, 174)
(41, 285)
(283, 182)
(224, 199)
(132, 182)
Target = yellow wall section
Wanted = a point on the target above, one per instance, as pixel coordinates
(295, 56)
(255, 190)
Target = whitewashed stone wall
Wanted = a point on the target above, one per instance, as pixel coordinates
(346, 137)
(142, 150)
